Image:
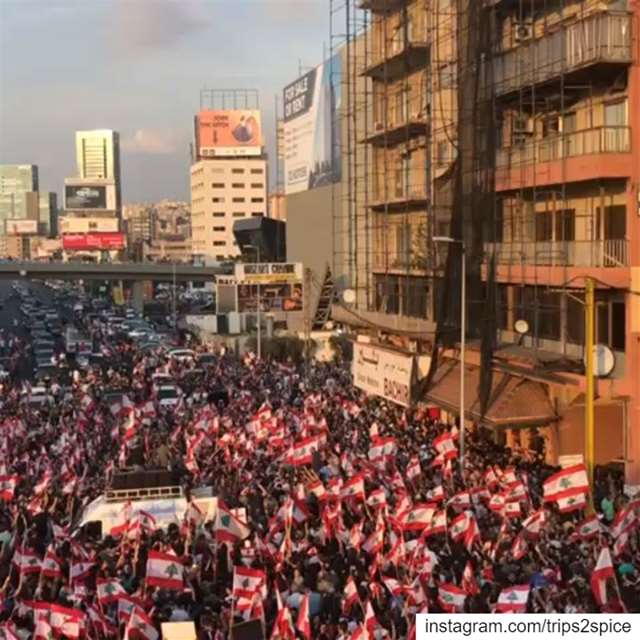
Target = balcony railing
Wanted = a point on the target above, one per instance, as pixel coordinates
(600, 38)
(558, 147)
(578, 253)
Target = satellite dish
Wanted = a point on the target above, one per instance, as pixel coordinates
(603, 360)
(521, 327)
(349, 296)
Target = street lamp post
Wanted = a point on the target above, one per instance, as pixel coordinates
(463, 335)
(256, 248)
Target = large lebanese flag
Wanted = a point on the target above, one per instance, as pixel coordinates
(302, 451)
(381, 449)
(66, 621)
(164, 570)
(108, 590)
(513, 599)
(140, 626)
(450, 597)
(603, 571)
(445, 446)
(353, 488)
(568, 482)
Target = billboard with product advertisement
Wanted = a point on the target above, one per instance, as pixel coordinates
(311, 128)
(76, 224)
(273, 297)
(382, 372)
(228, 133)
(21, 227)
(85, 197)
(93, 241)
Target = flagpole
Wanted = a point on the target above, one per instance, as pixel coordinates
(589, 391)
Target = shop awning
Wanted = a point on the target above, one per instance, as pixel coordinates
(514, 401)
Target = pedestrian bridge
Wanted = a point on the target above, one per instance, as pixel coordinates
(128, 271)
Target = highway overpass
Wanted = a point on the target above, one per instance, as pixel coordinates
(127, 271)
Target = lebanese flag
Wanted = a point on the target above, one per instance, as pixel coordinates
(513, 599)
(602, 572)
(461, 500)
(303, 625)
(370, 621)
(418, 518)
(248, 582)
(140, 626)
(460, 526)
(374, 543)
(395, 588)
(228, 528)
(353, 488)
(469, 582)
(497, 502)
(413, 468)
(108, 590)
(624, 521)
(43, 630)
(445, 446)
(350, 595)
(490, 477)
(438, 524)
(193, 515)
(516, 491)
(450, 597)
(568, 482)
(283, 625)
(41, 487)
(519, 548)
(512, 510)
(99, 622)
(51, 565)
(66, 621)
(572, 503)
(436, 495)
(533, 524)
(8, 486)
(589, 528)
(126, 605)
(165, 571)
(381, 449)
(301, 452)
(377, 499)
(317, 488)
(26, 560)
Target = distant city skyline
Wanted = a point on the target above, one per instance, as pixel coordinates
(137, 66)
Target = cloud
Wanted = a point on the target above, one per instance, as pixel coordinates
(140, 26)
(153, 141)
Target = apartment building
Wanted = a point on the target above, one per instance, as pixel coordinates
(224, 190)
(513, 126)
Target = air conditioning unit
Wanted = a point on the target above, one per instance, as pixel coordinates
(523, 126)
(522, 30)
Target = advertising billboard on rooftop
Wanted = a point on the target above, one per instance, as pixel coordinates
(228, 133)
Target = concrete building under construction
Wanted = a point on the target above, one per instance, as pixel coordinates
(511, 127)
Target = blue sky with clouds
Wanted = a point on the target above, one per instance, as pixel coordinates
(137, 66)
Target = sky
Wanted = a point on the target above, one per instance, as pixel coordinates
(137, 66)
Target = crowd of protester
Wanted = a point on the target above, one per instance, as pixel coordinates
(339, 515)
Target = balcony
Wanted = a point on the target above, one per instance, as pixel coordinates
(601, 152)
(388, 134)
(398, 200)
(399, 57)
(578, 253)
(603, 39)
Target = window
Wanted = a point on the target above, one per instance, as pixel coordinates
(256, 214)
(239, 214)
(257, 185)
(237, 170)
(387, 294)
(403, 244)
(257, 171)
(218, 214)
(615, 114)
(442, 153)
(217, 185)
(257, 199)
(237, 199)
(217, 199)
(219, 243)
(613, 225)
(219, 228)
(237, 185)
(216, 170)
(544, 227)
(610, 321)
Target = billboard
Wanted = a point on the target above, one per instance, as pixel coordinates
(93, 241)
(85, 196)
(228, 133)
(273, 297)
(268, 272)
(384, 373)
(311, 130)
(21, 227)
(75, 224)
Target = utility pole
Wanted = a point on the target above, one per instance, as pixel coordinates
(589, 436)
(307, 319)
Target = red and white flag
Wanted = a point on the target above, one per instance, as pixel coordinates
(8, 486)
(227, 527)
(52, 564)
(377, 499)
(445, 446)
(303, 623)
(533, 524)
(164, 570)
(602, 572)
(450, 597)
(568, 482)
(370, 620)
(301, 452)
(418, 518)
(317, 488)
(519, 547)
(513, 599)
(512, 510)
(350, 595)
(65, 621)
(26, 560)
(353, 489)
(140, 626)
(469, 582)
(108, 590)
(436, 494)
(413, 468)
(589, 528)
(248, 582)
(382, 449)
(576, 502)
(624, 521)
(461, 500)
